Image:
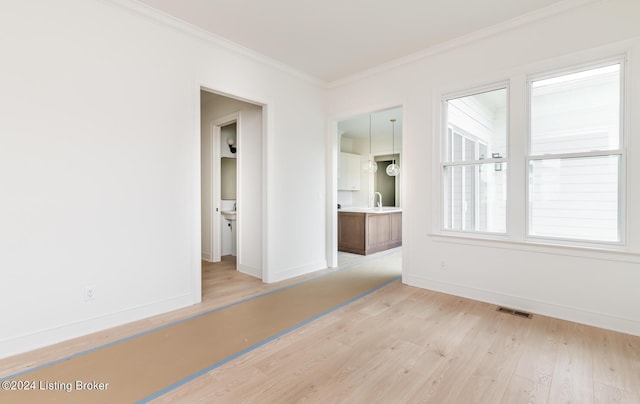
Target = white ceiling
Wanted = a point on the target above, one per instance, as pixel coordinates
(377, 124)
(334, 39)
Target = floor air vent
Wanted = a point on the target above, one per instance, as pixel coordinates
(514, 312)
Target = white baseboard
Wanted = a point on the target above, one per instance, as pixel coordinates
(43, 338)
(577, 315)
(227, 251)
(293, 272)
(251, 271)
(206, 257)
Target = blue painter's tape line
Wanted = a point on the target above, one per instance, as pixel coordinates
(261, 343)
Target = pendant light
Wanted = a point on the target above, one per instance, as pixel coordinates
(393, 169)
(371, 166)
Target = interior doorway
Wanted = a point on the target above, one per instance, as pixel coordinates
(365, 139)
(232, 190)
(224, 186)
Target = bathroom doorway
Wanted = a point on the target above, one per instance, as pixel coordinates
(231, 187)
(225, 182)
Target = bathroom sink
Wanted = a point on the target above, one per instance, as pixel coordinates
(229, 214)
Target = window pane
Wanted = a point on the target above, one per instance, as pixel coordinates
(476, 198)
(574, 198)
(469, 197)
(576, 112)
(457, 147)
(470, 149)
(482, 151)
(482, 119)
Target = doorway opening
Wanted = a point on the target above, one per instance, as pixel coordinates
(232, 189)
(375, 137)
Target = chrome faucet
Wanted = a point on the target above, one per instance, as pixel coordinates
(374, 199)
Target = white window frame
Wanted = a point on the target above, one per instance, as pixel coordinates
(621, 152)
(444, 133)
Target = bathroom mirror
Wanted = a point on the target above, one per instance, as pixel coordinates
(228, 178)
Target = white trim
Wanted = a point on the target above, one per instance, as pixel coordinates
(29, 341)
(248, 270)
(590, 251)
(333, 150)
(513, 23)
(573, 314)
(297, 271)
(266, 122)
(578, 67)
(477, 89)
(239, 198)
(564, 156)
(176, 23)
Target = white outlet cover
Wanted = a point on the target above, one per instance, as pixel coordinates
(89, 293)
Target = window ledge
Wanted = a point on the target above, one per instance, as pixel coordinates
(604, 253)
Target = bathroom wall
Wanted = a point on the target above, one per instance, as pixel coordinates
(228, 178)
(228, 132)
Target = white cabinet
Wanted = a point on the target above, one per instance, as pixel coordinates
(349, 172)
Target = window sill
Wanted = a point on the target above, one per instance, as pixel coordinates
(605, 253)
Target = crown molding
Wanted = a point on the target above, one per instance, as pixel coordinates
(197, 32)
(442, 47)
(190, 29)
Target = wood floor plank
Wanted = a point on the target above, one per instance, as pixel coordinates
(607, 394)
(574, 366)
(538, 360)
(612, 364)
(521, 390)
(491, 378)
(460, 357)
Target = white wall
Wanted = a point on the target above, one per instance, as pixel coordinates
(100, 165)
(583, 285)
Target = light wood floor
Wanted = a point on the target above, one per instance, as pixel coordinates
(399, 345)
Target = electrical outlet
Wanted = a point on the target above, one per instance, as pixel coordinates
(89, 293)
(443, 265)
